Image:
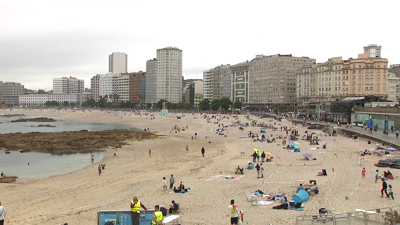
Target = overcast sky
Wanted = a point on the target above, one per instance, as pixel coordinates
(44, 39)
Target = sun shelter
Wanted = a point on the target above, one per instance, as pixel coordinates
(301, 196)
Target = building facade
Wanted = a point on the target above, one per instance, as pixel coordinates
(118, 62)
(240, 82)
(393, 87)
(208, 84)
(142, 89)
(223, 82)
(337, 79)
(122, 88)
(65, 85)
(169, 75)
(9, 92)
(94, 87)
(395, 68)
(272, 79)
(151, 81)
(33, 100)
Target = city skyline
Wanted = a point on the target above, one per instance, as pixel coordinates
(48, 39)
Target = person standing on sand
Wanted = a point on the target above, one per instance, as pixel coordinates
(99, 169)
(165, 186)
(376, 176)
(171, 182)
(203, 151)
(135, 210)
(187, 148)
(234, 212)
(258, 171)
(3, 214)
(363, 172)
(390, 190)
(261, 170)
(149, 153)
(384, 188)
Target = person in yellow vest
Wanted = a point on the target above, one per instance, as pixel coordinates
(135, 210)
(157, 216)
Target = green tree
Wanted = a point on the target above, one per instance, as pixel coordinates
(187, 106)
(51, 103)
(41, 91)
(215, 104)
(204, 104)
(237, 105)
(225, 103)
(159, 104)
(65, 103)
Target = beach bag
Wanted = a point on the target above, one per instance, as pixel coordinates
(164, 211)
(285, 206)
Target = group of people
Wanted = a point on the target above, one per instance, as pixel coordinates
(310, 188)
(101, 167)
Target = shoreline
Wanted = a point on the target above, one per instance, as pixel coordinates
(76, 197)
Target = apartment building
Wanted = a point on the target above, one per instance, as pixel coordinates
(393, 87)
(169, 74)
(337, 78)
(273, 78)
(223, 81)
(319, 82)
(395, 68)
(9, 92)
(195, 90)
(217, 82)
(151, 81)
(94, 87)
(65, 85)
(142, 89)
(208, 84)
(118, 62)
(33, 100)
(134, 87)
(122, 88)
(240, 82)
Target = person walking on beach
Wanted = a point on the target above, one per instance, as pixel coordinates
(187, 148)
(261, 170)
(135, 210)
(234, 212)
(203, 151)
(263, 157)
(363, 172)
(390, 190)
(149, 153)
(171, 182)
(376, 175)
(384, 188)
(99, 169)
(3, 214)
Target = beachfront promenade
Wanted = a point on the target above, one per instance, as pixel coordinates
(389, 138)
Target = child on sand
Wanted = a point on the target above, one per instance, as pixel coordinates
(363, 172)
(376, 176)
(149, 153)
(390, 190)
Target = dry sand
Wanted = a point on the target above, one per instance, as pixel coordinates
(77, 197)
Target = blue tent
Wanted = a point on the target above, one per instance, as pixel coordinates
(301, 196)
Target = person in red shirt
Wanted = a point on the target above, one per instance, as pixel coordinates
(135, 210)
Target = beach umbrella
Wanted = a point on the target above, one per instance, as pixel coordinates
(307, 155)
(268, 153)
(391, 149)
(256, 149)
(296, 143)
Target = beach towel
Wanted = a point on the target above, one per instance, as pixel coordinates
(181, 193)
(238, 178)
(264, 202)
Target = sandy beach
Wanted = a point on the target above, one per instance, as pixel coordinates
(75, 198)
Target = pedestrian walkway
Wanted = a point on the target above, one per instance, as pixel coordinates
(389, 138)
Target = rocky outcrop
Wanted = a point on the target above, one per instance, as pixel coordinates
(39, 119)
(14, 115)
(45, 125)
(70, 141)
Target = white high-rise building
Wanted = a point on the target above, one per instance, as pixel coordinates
(65, 85)
(169, 74)
(108, 85)
(118, 62)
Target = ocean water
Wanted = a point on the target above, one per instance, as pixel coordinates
(42, 165)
